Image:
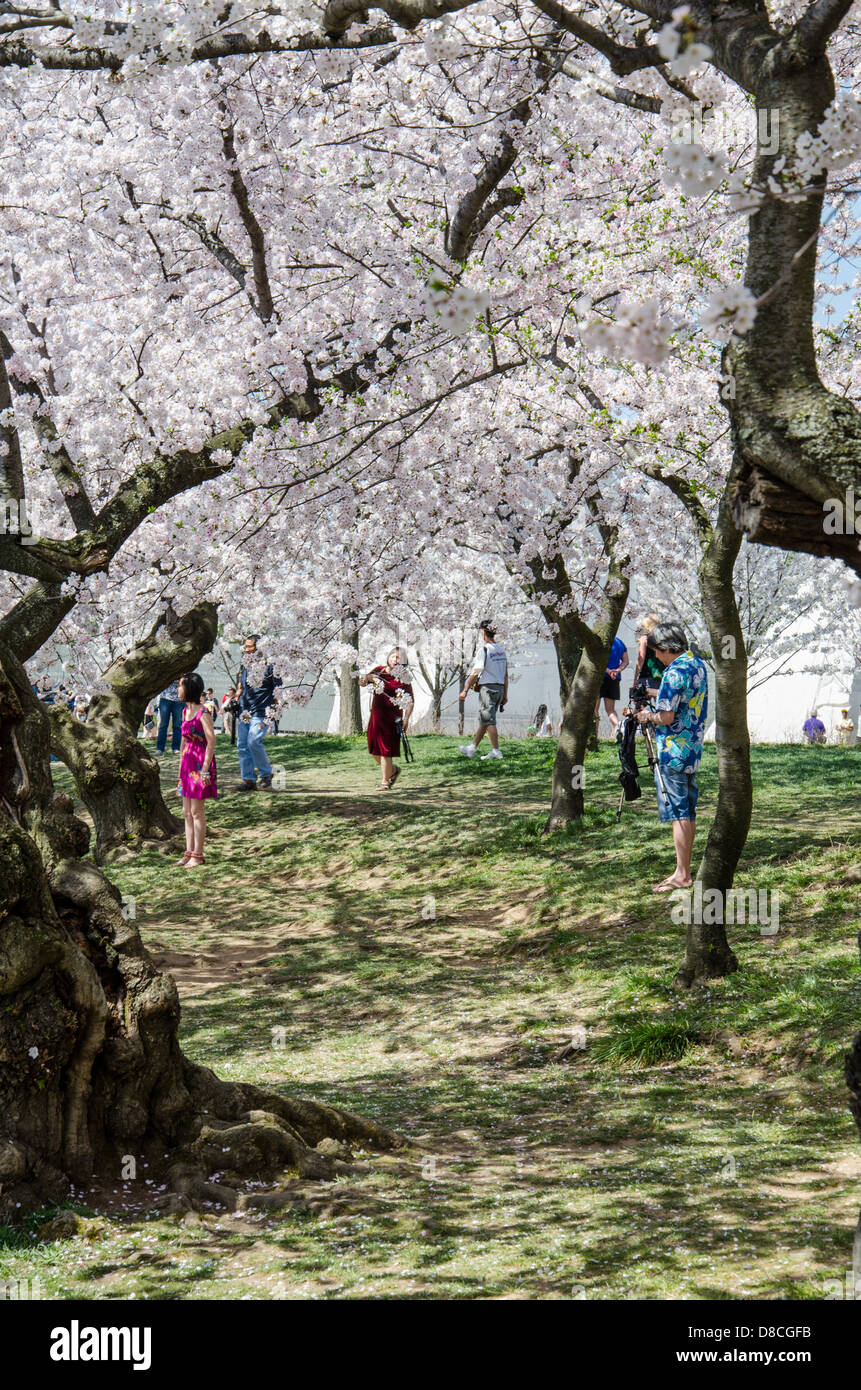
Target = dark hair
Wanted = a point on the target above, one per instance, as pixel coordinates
(540, 715)
(253, 637)
(193, 686)
(488, 627)
(668, 637)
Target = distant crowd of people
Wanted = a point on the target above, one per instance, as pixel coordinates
(50, 694)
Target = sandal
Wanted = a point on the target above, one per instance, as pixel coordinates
(396, 772)
(193, 860)
(183, 860)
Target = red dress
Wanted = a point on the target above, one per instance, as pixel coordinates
(383, 736)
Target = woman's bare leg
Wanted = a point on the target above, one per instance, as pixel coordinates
(198, 812)
(189, 824)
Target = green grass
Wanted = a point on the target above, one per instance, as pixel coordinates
(423, 956)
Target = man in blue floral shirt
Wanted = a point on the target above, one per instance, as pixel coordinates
(680, 722)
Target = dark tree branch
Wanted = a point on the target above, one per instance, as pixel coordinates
(66, 474)
(809, 39)
(11, 466)
(264, 306)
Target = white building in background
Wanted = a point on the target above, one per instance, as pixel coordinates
(776, 710)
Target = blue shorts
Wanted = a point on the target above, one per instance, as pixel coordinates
(680, 803)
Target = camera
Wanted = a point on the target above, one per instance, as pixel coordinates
(639, 696)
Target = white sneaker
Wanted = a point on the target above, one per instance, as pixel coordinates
(467, 749)
(494, 753)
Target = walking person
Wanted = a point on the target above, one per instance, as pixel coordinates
(611, 688)
(170, 708)
(391, 708)
(197, 770)
(254, 702)
(680, 721)
(490, 675)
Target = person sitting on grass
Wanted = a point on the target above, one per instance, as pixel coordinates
(680, 721)
(813, 729)
(197, 771)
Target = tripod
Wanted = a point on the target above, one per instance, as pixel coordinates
(651, 754)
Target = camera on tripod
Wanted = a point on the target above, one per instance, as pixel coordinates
(639, 696)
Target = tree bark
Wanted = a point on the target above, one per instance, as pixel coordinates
(797, 445)
(567, 800)
(852, 1072)
(91, 1071)
(350, 696)
(707, 952)
(116, 776)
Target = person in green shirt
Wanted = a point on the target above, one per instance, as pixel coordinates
(649, 666)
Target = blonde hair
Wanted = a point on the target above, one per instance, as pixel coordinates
(646, 623)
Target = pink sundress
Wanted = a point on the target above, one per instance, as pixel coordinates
(190, 780)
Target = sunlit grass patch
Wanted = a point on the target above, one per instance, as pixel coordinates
(426, 956)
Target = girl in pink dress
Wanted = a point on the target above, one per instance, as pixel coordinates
(197, 771)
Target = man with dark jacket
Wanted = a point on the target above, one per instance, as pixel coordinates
(254, 701)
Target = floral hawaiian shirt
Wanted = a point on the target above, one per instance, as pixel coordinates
(685, 690)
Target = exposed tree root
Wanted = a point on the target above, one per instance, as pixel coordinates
(93, 1082)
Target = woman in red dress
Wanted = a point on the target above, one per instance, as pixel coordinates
(393, 700)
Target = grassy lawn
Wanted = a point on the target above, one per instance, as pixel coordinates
(424, 956)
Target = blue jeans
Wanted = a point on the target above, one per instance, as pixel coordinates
(169, 710)
(249, 746)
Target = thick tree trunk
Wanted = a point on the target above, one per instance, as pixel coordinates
(567, 801)
(568, 649)
(91, 1072)
(852, 1072)
(578, 708)
(350, 697)
(708, 954)
(797, 445)
(117, 778)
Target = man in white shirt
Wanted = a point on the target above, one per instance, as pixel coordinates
(490, 675)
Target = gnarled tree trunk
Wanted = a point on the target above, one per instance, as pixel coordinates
(91, 1071)
(117, 777)
(797, 444)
